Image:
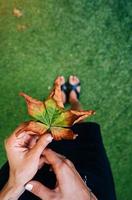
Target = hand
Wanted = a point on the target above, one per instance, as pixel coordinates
(69, 183)
(25, 158)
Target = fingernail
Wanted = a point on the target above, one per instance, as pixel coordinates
(49, 138)
(29, 187)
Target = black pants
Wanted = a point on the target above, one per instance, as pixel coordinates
(88, 155)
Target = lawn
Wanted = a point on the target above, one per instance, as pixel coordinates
(88, 38)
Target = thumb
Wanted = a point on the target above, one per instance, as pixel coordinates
(41, 144)
(40, 190)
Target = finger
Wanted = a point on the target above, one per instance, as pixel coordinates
(40, 190)
(10, 140)
(67, 161)
(70, 164)
(24, 140)
(62, 167)
(57, 162)
(63, 158)
(53, 158)
(42, 161)
(41, 144)
(33, 141)
(27, 139)
(59, 155)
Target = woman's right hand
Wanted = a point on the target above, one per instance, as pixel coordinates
(69, 183)
(25, 157)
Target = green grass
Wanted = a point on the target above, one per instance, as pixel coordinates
(89, 38)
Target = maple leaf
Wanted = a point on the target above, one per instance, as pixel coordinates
(51, 116)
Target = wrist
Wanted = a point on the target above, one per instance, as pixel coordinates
(11, 191)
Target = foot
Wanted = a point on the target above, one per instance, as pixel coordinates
(62, 81)
(73, 80)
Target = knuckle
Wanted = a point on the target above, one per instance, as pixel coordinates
(43, 142)
(69, 162)
(61, 164)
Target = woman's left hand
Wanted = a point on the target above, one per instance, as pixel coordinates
(25, 157)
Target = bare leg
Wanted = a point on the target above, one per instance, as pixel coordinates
(75, 104)
(62, 80)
